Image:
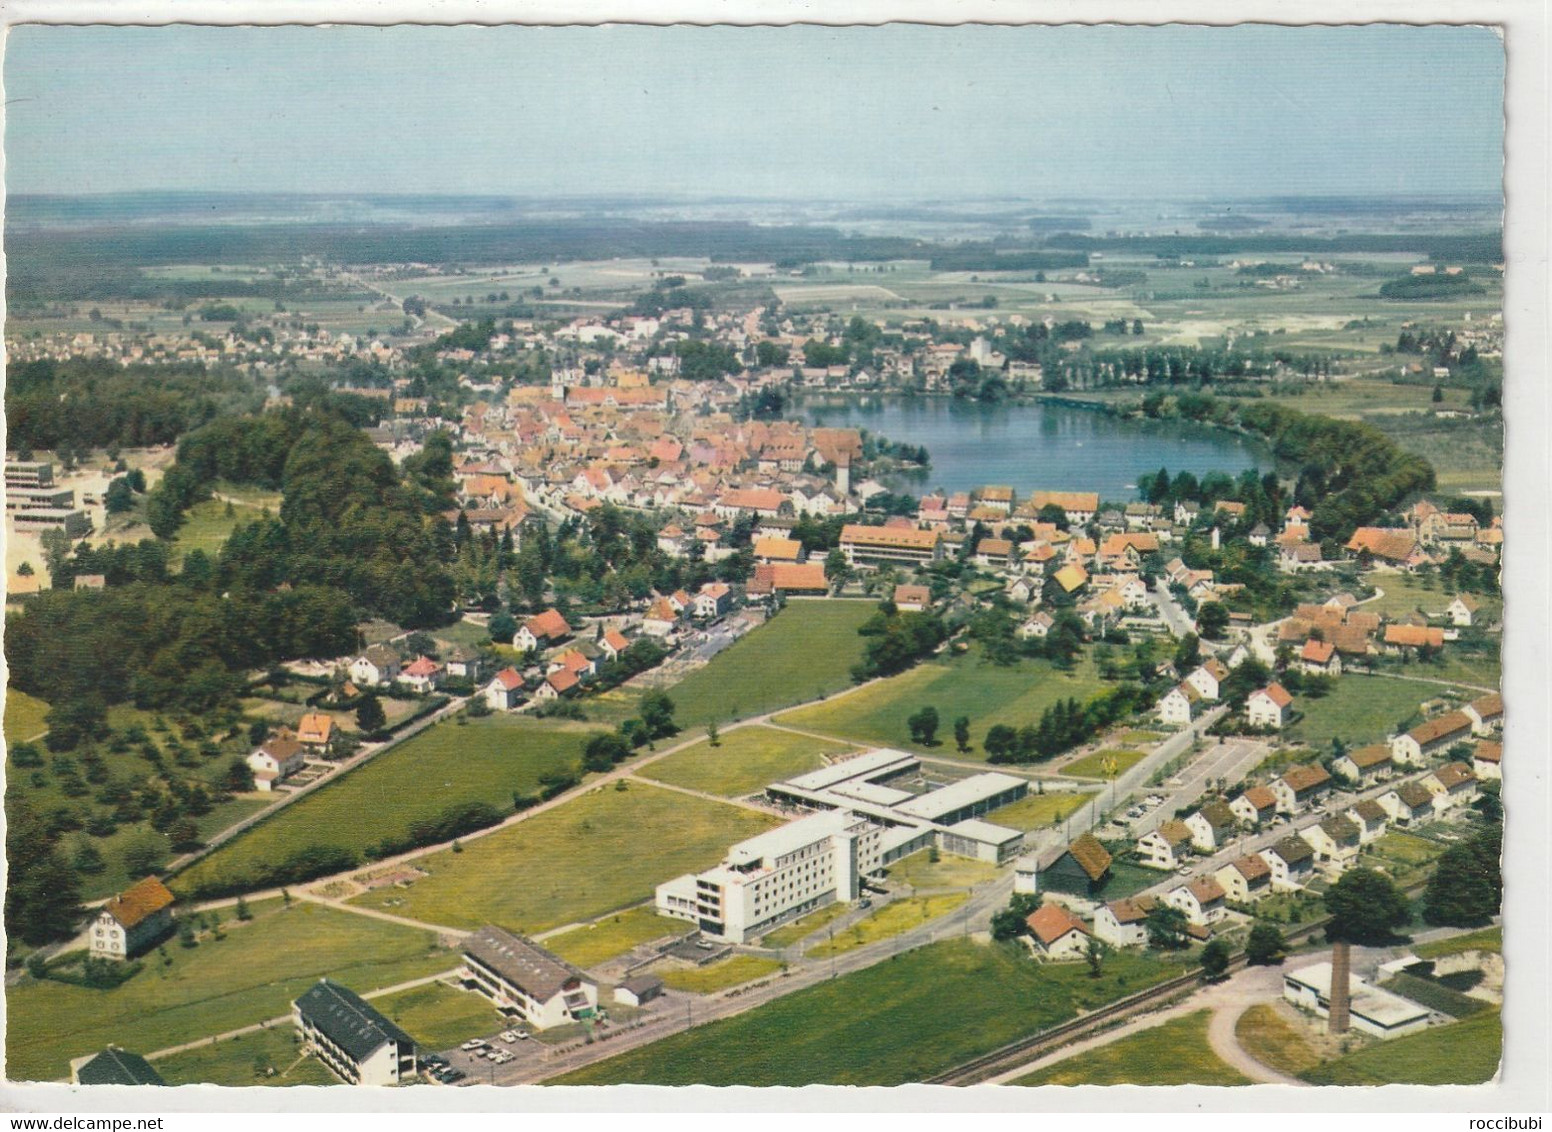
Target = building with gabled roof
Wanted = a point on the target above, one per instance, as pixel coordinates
(1245, 880)
(1300, 786)
(113, 1066)
(1292, 862)
(1431, 737)
(132, 921)
(1056, 933)
(524, 980)
(355, 1041)
(1255, 806)
(1123, 923)
(1081, 868)
(1165, 847)
(505, 690)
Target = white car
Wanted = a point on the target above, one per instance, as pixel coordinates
(472, 1044)
(508, 1036)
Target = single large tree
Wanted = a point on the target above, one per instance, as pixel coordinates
(1167, 928)
(1265, 945)
(923, 725)
(1366, 908)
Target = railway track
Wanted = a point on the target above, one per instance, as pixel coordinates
(988, 1065)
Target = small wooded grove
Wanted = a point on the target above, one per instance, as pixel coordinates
(353, 539)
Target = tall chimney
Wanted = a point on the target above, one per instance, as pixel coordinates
(1341, 990)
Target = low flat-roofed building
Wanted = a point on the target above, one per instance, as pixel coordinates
(355, 1041)
(1374, 1011)
(638, 990)
(968, 798)
(982, 841)
(524, 979)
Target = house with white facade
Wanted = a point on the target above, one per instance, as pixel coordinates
(132, 921)
(356, 1042)
(525, 981)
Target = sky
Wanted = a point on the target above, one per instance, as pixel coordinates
(898, 112)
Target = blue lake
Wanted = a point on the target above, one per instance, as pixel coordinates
(1037, 445)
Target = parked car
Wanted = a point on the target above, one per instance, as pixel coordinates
(472, 1044)
(508, 1036)
(865, 902)
(1184, 870)
(520, 1035)
(705, 945)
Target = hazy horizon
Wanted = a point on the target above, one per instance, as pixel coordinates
(900, 112)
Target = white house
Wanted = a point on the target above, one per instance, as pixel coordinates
(1208, 677)
(713, 600)
(1292, 862)
(1256, 806)
(1202, 900)
(1211, 826)
(1268, 707)
(1366, 765)
(1177, 706)
(132, 921)
(1408, 803)
(1301, 787)
(1246, 880)
(1463, 610)
(1123, 923)
(1056, 933)
(1485, 713)
(1451, 785)
(422, 674)
(1487, 760)
(1165, 847)
(1370, 818)
(275, 760)
(1336, 841)
(377, 666)
(1426, 739)
(505, 690)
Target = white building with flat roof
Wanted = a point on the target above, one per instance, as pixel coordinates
(1374, 1011)
(778, 876)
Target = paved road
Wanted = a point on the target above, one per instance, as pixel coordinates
(1179, 622)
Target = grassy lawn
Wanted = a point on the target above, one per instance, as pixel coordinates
(582, 860)
(1274, 1041)
(1103, 764)
(1435, 995)
(896, 1022)
(804, 652)
(438, 1016)
(1174, 1053)
(721, 975)
(1358, 710)
(1488, 939)
(251, 975)
(599, 942)
(23, 716)
(1462, 1053)
(1036, 810)
(245, 1060)
(1405, 857)
(788, 934)
(919, 870)
(986, 693)
(486, 760)
(207, 525)
(744, 762)
(889, 921)
(1404, 595)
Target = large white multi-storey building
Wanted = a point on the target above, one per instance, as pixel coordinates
(778, 876)
(862, 826)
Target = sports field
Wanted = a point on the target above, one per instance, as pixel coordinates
(184, 994)
(743, 762)
(1172, 1053)
(452, 763)
(899, 1021)
(593, 855)
(985, 693)
(804, 652)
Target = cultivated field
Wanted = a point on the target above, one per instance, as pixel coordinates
(1173, 1053)
(603, 851)
(744, 761)
(484, 760)
(806, 651)
(902, 1020)
(184, 994)
(986, 693)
